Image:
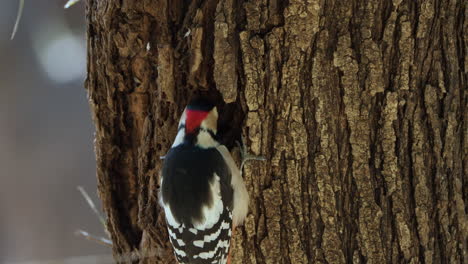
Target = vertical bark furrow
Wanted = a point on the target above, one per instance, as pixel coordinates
(116, 176)
(225, 51)
(326, 166)
(421, 156)
(300, 25)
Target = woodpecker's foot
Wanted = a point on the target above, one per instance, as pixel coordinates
(245, 155)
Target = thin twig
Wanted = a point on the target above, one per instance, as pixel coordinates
(126, 257)
(18, 18)
(92, 205)
(70, 3)
(88, 236)
(249, 157)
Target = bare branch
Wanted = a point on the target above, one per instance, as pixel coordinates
(92, 205)
(18, 18)
(88, 236)
(70, 3)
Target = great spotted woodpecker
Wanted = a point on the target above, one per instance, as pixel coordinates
(202, 191)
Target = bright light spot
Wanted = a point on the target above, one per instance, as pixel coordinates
(63, 58)
(70, 3)
(187, 33)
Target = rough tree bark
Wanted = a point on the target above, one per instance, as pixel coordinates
(360, 107)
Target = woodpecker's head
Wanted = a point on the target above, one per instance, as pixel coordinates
(200, 115)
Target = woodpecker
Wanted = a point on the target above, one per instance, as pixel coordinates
(202, 191)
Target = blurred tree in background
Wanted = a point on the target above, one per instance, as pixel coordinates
(46, 135)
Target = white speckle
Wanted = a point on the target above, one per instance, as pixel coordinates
(171, 234)
(211, 214)
(188, 33)
(210, 254)
(181, 243)
(225, 225)
(148, 46)
(137, 81)
(212, 237)
(198, 243)
(179, 252)
(193, 230)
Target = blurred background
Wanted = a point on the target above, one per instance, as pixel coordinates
(46, 137)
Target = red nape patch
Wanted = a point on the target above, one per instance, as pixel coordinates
(193, 119)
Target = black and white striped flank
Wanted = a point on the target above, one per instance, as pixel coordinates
(194, 246)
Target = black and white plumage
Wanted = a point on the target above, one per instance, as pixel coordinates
(202, 192)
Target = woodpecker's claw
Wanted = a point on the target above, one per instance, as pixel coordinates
(245, 155)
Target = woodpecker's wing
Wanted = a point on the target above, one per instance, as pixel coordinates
(197, 198)
(241, 196)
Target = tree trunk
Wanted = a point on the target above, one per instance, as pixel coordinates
(359, 106)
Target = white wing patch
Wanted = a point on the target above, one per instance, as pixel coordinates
(167, 211)
(169, 217)
(241, 196)
(211, 214)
